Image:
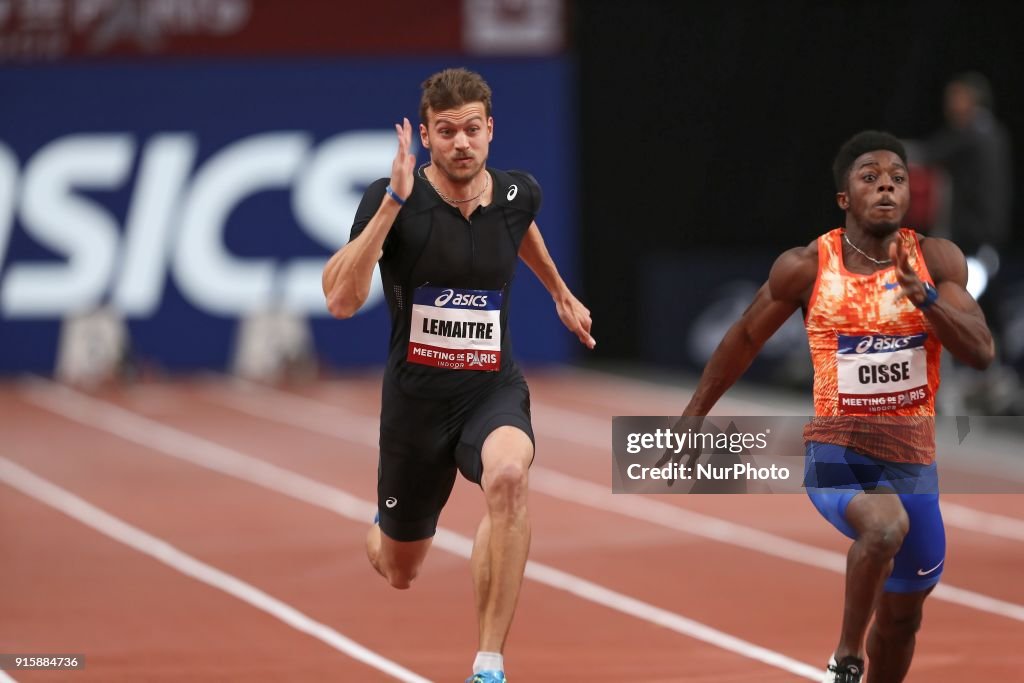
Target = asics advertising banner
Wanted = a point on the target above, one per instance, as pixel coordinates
(187, 197)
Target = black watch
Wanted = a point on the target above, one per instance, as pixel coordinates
(931, 295)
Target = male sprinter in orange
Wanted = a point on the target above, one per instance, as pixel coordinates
(448, 236)
(878, 301)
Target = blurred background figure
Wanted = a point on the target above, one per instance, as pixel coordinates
(968, 162)
(973, 148)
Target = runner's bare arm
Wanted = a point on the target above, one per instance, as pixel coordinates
(574, 315)
(955, 316)
(347, 275)
(788, 288)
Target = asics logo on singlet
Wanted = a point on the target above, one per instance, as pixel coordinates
(391, 502)
(882, 344)
(460, 299)
(513, 190)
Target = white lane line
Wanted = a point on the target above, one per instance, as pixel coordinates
(989, 523)
(185, 446)
(599, 497)
(317, 416)
(78, 509)
(608, 389)
(574, 427)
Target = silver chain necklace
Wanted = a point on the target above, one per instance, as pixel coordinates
(442, 195)
(877, 262)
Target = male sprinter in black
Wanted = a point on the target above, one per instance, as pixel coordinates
(447, 236)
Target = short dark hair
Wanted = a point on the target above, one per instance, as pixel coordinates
(453, 88)
(862, 143)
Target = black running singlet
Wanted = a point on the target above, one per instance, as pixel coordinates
(447, 282)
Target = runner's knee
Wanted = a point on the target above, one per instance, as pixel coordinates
(505, 485)
(885, 538)
(399, 575)
(401, 578)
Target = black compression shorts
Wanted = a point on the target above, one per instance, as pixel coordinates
(423, 442)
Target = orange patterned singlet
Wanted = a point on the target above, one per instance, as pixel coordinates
(876, 359)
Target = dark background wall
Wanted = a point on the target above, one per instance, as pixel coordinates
(681, 145)
(708, 129)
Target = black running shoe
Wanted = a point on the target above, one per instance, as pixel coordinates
(848, 670)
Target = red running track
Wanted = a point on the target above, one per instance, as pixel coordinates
(208, 530)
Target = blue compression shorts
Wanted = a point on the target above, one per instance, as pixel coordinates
(833, 475)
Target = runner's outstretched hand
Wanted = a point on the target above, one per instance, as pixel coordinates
(404, 163)
(911, 286)
(691, 453)
(576, 317)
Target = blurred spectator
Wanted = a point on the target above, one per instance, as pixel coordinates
(973, 149)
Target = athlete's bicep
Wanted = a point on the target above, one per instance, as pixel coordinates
(530, 237)
(765, 315)
(959, 298)
(531, 245)
(369, 205)
(948, 268)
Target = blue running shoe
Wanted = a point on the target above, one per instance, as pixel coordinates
(488, 677)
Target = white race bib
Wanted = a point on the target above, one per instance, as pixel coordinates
(881, 373)
(458, 329)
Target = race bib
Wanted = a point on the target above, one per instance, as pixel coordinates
(457, 329)
(881, 373)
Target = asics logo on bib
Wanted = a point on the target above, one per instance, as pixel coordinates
(882, 344)
(461, 299)
(456, 329)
